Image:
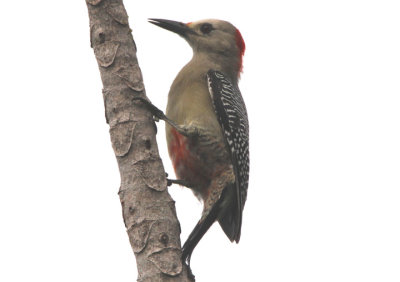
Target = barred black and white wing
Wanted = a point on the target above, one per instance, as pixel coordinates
(232, 116)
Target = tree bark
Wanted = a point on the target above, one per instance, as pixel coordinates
(148, 210)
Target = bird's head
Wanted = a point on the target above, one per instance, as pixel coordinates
(211, 36)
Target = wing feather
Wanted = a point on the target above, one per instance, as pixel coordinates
(232, 115)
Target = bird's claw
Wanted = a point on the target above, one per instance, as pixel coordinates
(179, 182)
(157, 113)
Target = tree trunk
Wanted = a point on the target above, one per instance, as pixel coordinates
(148, 210)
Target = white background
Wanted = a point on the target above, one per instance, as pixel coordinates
(322, 85)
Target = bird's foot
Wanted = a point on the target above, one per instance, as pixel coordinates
(158, 114)
(179, 182)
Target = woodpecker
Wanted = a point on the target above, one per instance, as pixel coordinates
(208, 132)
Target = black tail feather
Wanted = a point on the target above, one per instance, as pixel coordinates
(198, 232)
(229, 223)
(231, 217)
(228, 213)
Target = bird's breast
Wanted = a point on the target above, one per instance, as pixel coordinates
(196, 159)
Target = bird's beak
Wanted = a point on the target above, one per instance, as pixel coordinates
(177, 27)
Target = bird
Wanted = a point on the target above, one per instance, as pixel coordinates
(208, 129)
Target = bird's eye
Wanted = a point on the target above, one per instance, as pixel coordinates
(206, 28)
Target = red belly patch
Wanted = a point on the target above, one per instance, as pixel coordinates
(187, 164)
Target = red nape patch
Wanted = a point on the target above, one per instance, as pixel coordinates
(242, 47)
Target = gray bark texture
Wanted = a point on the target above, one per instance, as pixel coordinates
(148, 210)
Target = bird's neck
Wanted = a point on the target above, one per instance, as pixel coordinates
(219, 62)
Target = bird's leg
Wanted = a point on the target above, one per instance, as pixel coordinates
(185, 131)
(179, 182)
